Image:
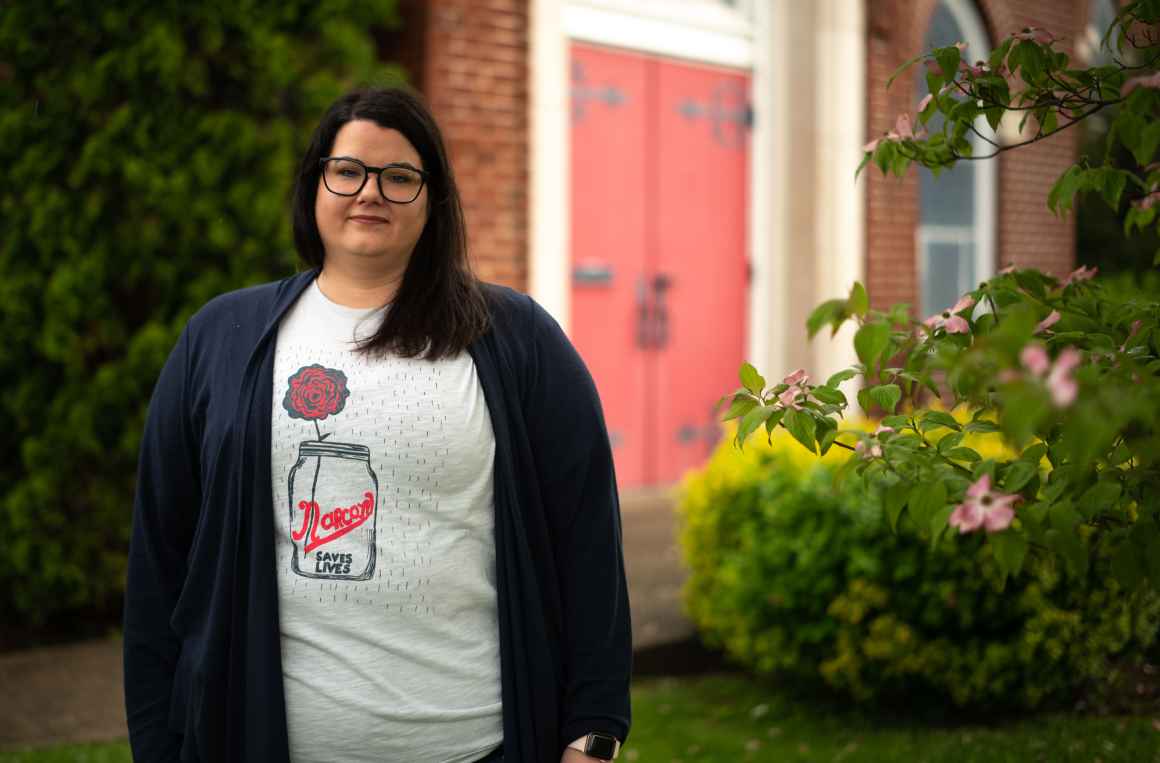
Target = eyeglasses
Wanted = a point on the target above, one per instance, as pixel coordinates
(346, 176)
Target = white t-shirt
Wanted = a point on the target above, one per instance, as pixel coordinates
(382, 472)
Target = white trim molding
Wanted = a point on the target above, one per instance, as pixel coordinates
(839, 201)
(549, 196)
(698, 30)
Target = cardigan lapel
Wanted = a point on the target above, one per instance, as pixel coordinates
(257, 729)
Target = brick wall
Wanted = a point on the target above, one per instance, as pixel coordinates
(470, 59)
(1027, 233)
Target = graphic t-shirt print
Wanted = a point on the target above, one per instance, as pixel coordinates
(333, 490)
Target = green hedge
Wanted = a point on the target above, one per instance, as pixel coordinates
(148, 150)
(799, 580)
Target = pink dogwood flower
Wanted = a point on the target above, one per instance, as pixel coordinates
(871, 447)
(1060, 382)
(797, 378)
(949, 320)
(1147, 202)
(1035, 359)
(793, 397)
(985, 508)
(1151, 81)
(903, 128)
(1082, 273)
(1136, 325)
(1034, 34)
(978, 70)
(1046, 324)
(1056, 377)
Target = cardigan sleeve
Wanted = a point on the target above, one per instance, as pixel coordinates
(165, 507)
(573, 459)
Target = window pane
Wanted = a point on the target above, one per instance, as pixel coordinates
(943, 277)
(947, 210)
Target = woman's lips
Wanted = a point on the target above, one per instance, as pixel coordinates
(369, 220)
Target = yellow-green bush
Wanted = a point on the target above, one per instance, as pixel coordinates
(796, 578)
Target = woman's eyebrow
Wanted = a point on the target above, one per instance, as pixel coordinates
(406, 164)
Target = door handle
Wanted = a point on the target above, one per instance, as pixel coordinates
(642, 313)
(662, 282)
(592, 275)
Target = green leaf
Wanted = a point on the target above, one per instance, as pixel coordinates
(742, 404)
(1018, 474)
(886, 396)
(896, 422)
(1099, 497)
(832, 312)
(903, 67)
(866, 158)
(870, 341)
(1113, 186)
(1062, 194)
(1144, 148)
(859, 301)
(963, 454)
(828, 439)
(1067, 544)
(753, 381)
(1010, 549)
(948, 60)
(894, 500)
(935, 419)
(802, 426)
(1034, 454)
(999, 54)
(772, 422)
(925, 499)
(981, 427)
(949, 442)
(938, 524)
(752, 421)
(840, 377)
(829, 395)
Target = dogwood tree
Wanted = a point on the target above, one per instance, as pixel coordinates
(1065, 371)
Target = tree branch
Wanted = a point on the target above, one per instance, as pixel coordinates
(957, 156)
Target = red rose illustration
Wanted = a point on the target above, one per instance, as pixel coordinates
(316, 392)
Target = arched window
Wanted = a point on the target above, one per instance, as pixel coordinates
(956, 228)
(1101, 14)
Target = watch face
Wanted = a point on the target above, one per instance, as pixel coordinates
(601, 746)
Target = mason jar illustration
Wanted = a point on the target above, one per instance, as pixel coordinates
(334, 496)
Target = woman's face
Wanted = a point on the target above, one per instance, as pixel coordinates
(366, 225)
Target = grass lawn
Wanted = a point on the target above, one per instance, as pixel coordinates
(732, 719)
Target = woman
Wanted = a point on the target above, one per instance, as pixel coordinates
(376, 515)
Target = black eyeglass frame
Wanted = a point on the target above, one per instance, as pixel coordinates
(378, 172)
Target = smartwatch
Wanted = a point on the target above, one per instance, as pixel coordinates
(602, 746)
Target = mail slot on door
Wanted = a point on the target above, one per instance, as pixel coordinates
(592, 275)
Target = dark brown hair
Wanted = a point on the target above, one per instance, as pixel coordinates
(439, 308)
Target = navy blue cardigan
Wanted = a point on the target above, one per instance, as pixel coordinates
(203, 673)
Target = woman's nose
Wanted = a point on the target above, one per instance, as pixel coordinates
(370, 190)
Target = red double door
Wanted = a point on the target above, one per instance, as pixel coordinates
(658, 250)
